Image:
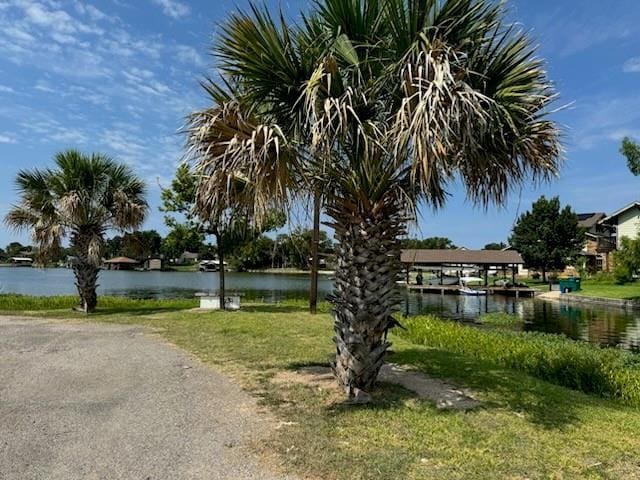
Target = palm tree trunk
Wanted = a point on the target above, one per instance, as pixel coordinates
(313, 291)
(86, 273)
(365, 294)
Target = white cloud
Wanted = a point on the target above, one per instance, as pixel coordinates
(90, 11)
(68, 136)
(6, 139)
(18, 33)
(632, 65)
(605, 119)
(173, 8)
(189, 55)
(57, 20)
(568, 28)
(43, 87)
(6, 89)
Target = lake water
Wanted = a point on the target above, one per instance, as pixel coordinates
(605, 326)
(60, 281)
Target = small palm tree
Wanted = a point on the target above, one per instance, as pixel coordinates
(380, 105)
(82, 198)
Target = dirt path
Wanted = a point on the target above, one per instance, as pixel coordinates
(82, 401)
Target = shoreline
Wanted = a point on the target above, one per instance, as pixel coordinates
(609, 302)
(572, 298)
(291, 271)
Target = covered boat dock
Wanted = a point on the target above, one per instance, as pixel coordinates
(121, 263)
(460, 261)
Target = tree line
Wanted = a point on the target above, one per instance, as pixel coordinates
(247, 252)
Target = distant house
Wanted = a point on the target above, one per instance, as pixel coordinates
(626, 222)
(121, 263)
(600, 242)
(188, 257)
(154, 264)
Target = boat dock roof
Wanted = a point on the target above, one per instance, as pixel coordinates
(461, 257)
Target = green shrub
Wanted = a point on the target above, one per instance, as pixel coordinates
(622, 274)
(581, 366)
(602, 277)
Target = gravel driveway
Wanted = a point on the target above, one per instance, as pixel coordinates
(83, 401)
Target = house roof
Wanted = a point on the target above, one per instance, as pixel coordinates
(589, 220)
(612, 218)
(122, 260)
(22, 259)
(462, 257)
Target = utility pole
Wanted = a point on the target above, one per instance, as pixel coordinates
(313, 292)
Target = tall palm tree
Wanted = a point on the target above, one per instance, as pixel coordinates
(393, 100)
(82, 198)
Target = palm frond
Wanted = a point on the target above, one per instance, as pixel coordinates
(230, 148)
(82, 193)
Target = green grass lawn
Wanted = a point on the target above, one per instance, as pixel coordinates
(608, 289)
(526, 428)
(183, 268)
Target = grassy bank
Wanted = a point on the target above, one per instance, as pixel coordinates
(500, 320)
(581, 366)
(608, 289)
(107, 305)
(526, 428)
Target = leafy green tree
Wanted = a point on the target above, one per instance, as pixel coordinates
(179, 199)
(253, 255)
(182, 239)
(495, 246)
(294, 249)
(631, 151)
(432, 243)
(113, 247)
(14, 249)
(82, 198)
(230, 226)
(141, 244)
(380, 105)
(627, 260)
(548, 237)
(138, 245)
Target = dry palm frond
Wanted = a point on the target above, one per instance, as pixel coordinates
(238, 161)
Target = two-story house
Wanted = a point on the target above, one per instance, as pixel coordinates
(600, 243)
(625, 222)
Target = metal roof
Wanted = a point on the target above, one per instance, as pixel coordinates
(461, 257)
(122, 260)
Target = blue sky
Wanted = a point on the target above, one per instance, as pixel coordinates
(119, 76)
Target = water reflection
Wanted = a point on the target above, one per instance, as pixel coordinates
(605, 326)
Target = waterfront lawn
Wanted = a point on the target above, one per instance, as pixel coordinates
(183, 268)
(107, 305)
(608, 289)
(525, 428)
(607, 372)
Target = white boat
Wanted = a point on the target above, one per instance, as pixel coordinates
(465, 289)
(436, 280)
(210, 265)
